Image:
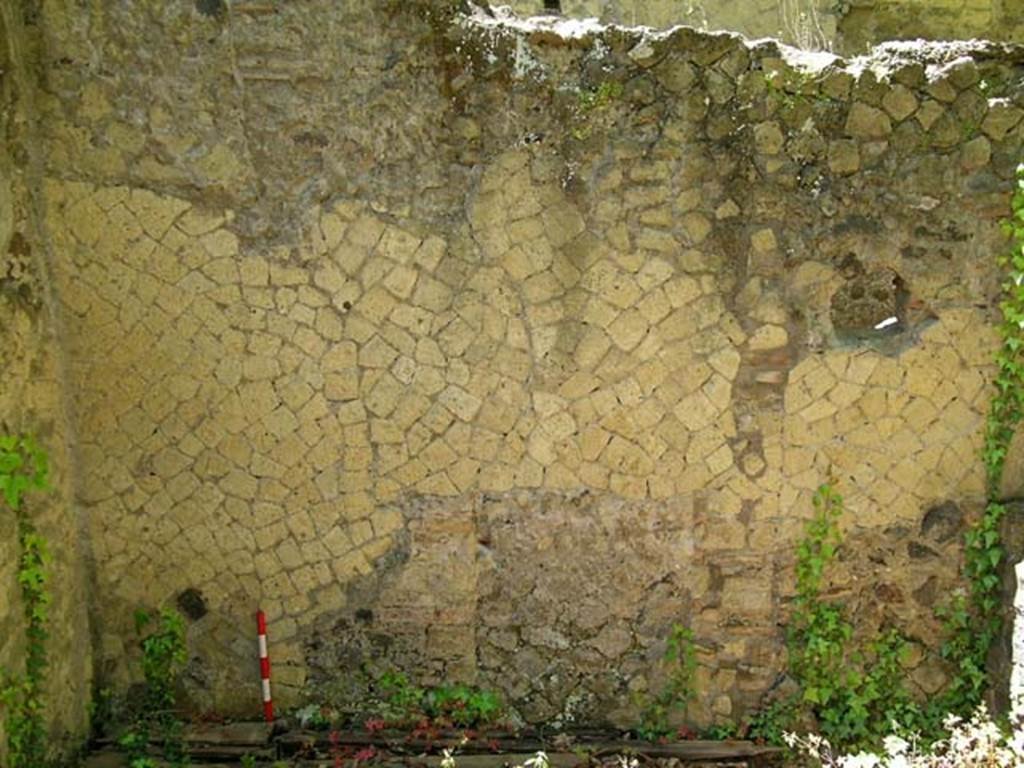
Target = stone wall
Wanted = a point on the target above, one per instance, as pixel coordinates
(490, 351)
(848, 27)
(32, 401)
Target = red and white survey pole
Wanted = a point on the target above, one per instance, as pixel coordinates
(268, 703)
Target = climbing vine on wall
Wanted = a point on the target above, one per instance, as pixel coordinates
(24, 467)
(1008, 399)
(854, 691)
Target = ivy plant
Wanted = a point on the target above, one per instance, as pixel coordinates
(854, 691)
(680, 662)
(162, 641)
(23, 468)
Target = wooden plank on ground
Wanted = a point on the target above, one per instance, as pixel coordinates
(500, 747)
(228, 733)
(557, 760)
(113, 759)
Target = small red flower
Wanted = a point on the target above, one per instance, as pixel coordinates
(365, 754)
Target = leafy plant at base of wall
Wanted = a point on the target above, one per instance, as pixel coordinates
(24, 467)
(162, 640)
(770, 722)
(163, 655)
(465, 706)
(681, 660)
(400, 699)
(853, 693)
(721, 731)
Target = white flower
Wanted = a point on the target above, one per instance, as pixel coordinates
(540, 760)
(973, 743)
(861, 760)
(447, 759)
(894, 745)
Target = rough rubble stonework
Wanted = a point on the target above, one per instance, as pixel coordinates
(489, 351)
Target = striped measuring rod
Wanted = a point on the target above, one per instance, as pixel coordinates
(268, 703)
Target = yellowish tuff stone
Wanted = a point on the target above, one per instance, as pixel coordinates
(768, 138)
(593, 441)
(928, 113)
(844, 156)
(727, 210)
(899, 102)
(1001, 118)
(747, 596)
(460, 402)
(398, 244)
(611, 284)
(976, 153)
(867, 122)
(768, 337)
(652, 273)
(696, 226)
(696, 411)
(720, 460)
(154, 212)
(763, 240)
(620, 455)
(628, 329)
